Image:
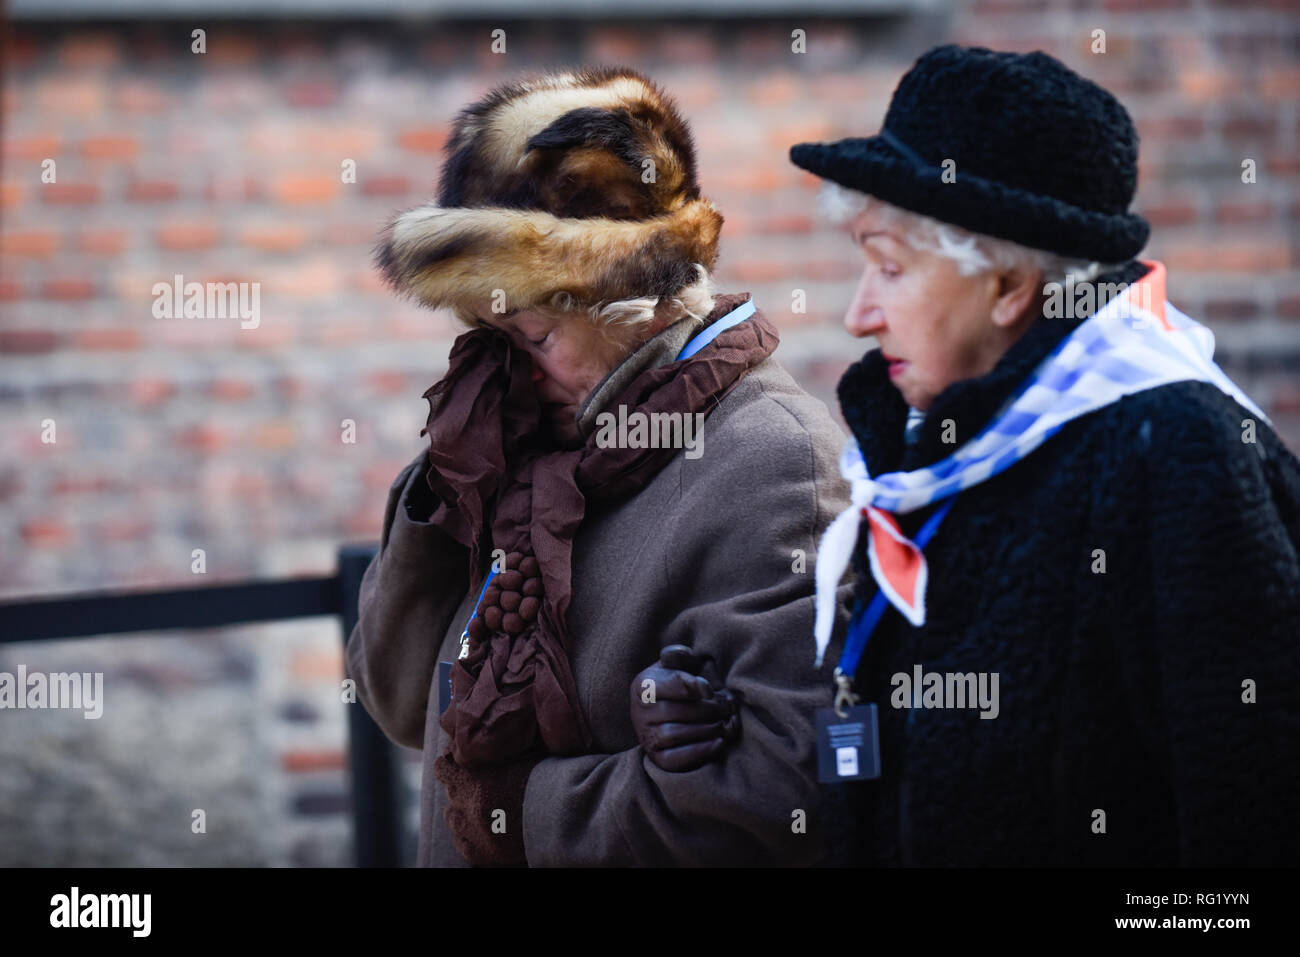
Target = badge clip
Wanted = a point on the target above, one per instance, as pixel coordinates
(844, 696)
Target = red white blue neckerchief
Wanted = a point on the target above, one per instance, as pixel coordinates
(1137, 341)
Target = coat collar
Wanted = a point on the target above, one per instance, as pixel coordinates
(659, 350)
(876, 412)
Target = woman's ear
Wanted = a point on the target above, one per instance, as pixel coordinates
(1018, 293)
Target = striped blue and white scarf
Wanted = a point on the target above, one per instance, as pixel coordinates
(1137, 341)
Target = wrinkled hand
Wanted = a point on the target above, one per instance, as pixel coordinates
(683, 717)
(474, 796)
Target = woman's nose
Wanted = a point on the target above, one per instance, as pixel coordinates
(863, 317)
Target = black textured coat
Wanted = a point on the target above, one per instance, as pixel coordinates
(1119, 691)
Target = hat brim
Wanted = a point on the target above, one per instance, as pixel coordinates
(469, 256)
(871, 165)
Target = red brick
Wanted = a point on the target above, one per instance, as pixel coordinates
(308, 665)
(387, 382)
(1172, 212)
(787, 134)
(297, 47)
(1205, 84)
(1230, 309)
(112, 146)
(611, 45)
(202, 438)
(302, 188)
(46, 532)
(152, 191)
(371, 281)
(423, 139)
(788, 223)
(141, 96)
(291, 387)
(828, 269)
(751, 179)
(351, 234)
(225, 188)
(121, 530)
(71, 96)
(311, 93)
(187, 236)
(340, 334)
(11, 194)
(80, 485)
(274, 237)
(1243, 211)
(27, 340)
(230, 389)
(10, 291)
(1288, 307)
(278, 434)
(32, 147)
(1284, 164)
(89, 50)
(21, 49)
(102, 242)
(1237, 128)
(773, 90)
(151, 391)
(225, 48)
(1285, 398)
(109, 339)
(69, 289)
(758, 270)
(1171, 126)
(385, 185)
(302, 759)
(1229, 255)
(69, 194)
(688, 46)
(33, 244)
(1280, 83)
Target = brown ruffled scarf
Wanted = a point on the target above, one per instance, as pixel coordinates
(502, 485)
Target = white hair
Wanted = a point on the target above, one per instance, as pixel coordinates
(692, 302)
(974, 253)
(619, 317)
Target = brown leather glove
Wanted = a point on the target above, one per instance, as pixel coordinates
(685, 717)
(474, 796)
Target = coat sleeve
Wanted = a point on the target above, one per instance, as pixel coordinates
(1225, 585)
(735, 589)
(409, 593)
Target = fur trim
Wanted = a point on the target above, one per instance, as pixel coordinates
(445, 256)
(544, 191)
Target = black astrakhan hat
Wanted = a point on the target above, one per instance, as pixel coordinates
(1044, 157)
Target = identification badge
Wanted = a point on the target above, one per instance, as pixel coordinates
(444, 686)
(848, 748)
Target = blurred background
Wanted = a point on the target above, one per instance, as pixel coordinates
(229, 165)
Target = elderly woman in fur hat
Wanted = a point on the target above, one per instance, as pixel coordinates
(1075, 539)
(586, 599)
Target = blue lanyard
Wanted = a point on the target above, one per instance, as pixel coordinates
(464, 635)
(733, 318)
(864, 623)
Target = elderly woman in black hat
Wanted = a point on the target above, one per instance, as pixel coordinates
(1074, 637)
(583, 603)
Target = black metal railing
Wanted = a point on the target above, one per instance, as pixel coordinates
(375, 763)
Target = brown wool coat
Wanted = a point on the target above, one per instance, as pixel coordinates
(702, 556)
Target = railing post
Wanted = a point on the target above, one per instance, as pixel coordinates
(377, 786)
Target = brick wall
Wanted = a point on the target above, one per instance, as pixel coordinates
(177, 434)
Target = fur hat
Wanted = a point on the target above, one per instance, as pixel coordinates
(581, 183)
